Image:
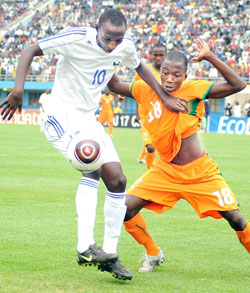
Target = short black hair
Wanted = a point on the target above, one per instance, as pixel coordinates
(177, 56)
(114, 16)
(158, 45)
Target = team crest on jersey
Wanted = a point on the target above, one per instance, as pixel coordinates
(116, 64)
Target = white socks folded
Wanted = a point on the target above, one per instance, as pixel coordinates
(114, 212)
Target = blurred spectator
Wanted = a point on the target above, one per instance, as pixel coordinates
(117, 109)
(43, 99)
(207, 109)
(247, 108)
(248, 112)
(228, 109)
(237, 109)
(107, 113)
(224, 24)
(206, 115)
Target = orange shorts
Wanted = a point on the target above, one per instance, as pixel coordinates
(199, 182)
(146, 139)
(106, 117)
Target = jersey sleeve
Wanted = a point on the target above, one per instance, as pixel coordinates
(194, 89)
(139, 90)
(136, 77)
(58, 44)
(133, 59)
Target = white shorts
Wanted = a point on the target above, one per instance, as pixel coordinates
(60, 128)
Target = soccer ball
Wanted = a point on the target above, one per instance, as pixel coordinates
(85, 152)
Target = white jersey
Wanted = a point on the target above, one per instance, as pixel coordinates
(83, 68)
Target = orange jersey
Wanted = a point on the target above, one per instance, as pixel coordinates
(106, 102)
(167, 128)
(137, 77)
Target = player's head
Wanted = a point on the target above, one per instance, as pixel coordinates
(106, 91)
(173, 70)
(111, 29)
(158, 52)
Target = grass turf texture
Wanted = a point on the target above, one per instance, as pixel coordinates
(38, 228)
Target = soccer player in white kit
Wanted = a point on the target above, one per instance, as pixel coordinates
(88, 58)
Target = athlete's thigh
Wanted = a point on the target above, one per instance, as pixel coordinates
(102, 117)
(135, 203)
(209, 193)
(214, 195)
(156, 186)
(56, 130)
(110, 117)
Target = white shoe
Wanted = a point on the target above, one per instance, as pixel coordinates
(150, 262)
(142, 161)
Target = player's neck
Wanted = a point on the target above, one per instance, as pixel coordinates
(157, 69)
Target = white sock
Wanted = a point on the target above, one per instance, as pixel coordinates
(114, 212)
(86, 201)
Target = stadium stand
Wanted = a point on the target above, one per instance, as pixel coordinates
(173, 23)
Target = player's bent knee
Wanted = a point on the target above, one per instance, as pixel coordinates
(134, 205)
(130, 213)
(235, 219)
(117, 184)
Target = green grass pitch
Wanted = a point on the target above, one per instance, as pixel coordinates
(38, 228)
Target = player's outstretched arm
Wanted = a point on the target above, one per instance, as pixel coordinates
(15, 98)
(117, 86)
(234, 83)
(173, 104)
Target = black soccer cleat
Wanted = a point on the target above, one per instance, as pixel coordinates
(96, 256)
(117, 270)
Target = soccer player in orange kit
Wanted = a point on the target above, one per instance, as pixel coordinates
(183, 171)
(107, 114)
(158, 51)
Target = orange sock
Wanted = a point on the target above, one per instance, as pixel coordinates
(142, 154)
(138, 230)
(111, 126)
(149, 159)
(244, 237)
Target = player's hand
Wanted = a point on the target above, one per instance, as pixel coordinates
(121, 98)
(11, 104)
(202, 48)
(175, 104)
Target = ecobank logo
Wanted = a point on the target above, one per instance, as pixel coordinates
(230, 125)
